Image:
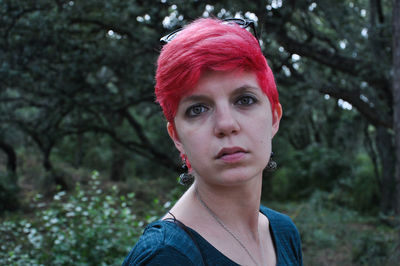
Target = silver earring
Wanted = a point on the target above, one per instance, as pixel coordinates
(272, 165)
(185, 178)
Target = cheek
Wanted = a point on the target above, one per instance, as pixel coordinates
(192, 142)
(264, 128)
(264, 138)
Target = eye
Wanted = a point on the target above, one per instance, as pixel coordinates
(196, 110)
(246, 100)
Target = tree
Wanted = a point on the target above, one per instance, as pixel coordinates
(347, 68)
(76, 67)
(341, 50)
(396, 91)
(74, 70)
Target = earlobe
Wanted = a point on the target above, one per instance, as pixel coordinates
(174, 136)
(277, 115)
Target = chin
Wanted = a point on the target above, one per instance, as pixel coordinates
(238, 177)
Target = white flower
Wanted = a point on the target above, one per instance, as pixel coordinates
(70, 214)
(38, 196)
(152, 219)
(59, 195)
(68, 206)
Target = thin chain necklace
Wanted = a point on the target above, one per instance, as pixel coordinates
(224, 226)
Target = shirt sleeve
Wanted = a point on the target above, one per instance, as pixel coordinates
(162, 243)
(297, 241)
(286, 238)
(165, 255)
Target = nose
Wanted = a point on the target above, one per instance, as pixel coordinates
(225, 122)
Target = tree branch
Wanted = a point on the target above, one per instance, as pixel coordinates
(353, 97)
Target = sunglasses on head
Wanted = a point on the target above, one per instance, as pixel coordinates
(243, 23)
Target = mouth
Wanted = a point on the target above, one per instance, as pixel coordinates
(229, 152)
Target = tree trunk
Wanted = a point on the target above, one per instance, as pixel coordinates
(117, 163)
(396, 99)
(11, 157)
(9, 199)
(48, 166)
(396, 91)
(79, 153)
(385, 148)
(53, 176)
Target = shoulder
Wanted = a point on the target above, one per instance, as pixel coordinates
(162, 241)
(280, 222)
(287, 237)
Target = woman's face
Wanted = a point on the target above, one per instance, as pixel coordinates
(225, 127)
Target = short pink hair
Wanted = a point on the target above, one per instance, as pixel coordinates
(208, 44)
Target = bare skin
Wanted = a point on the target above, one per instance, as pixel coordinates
(245, 220)
(225, 128)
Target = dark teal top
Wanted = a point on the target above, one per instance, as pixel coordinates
(166, 243)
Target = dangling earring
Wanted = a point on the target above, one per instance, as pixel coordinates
(272, 165)
(185, 178)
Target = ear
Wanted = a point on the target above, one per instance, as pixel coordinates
(277, 115)
(174, 136)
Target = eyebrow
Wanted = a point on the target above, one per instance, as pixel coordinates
(200, 97)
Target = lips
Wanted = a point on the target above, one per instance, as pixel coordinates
(231, 154)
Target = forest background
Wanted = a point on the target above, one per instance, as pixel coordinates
(86, 162)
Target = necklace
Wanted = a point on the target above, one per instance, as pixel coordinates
(218, 220)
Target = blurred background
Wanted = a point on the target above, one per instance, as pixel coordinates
(86, 161)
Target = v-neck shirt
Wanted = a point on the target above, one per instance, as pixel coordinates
(166, 243)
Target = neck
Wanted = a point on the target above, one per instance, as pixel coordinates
(236, 206)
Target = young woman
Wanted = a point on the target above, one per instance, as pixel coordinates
(220, 99)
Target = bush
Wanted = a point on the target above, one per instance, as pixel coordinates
(371, 250)
(360, 190)
(89, 227)
(303, 172)
(332, 234)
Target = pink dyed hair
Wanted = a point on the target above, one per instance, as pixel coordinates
(208, 44)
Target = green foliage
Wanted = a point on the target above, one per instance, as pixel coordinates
(360, 190)
(372, 249)
(314, 167)
(94, 225)
(89, 227)
(335, 235)
(78, 81)
(302, 172)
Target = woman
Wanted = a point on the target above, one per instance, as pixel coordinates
(219, 97)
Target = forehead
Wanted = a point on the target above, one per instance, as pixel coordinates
(216, 81)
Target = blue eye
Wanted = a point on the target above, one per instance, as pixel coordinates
(196, 110)
(246, 100)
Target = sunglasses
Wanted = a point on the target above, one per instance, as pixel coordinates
(243, 23)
